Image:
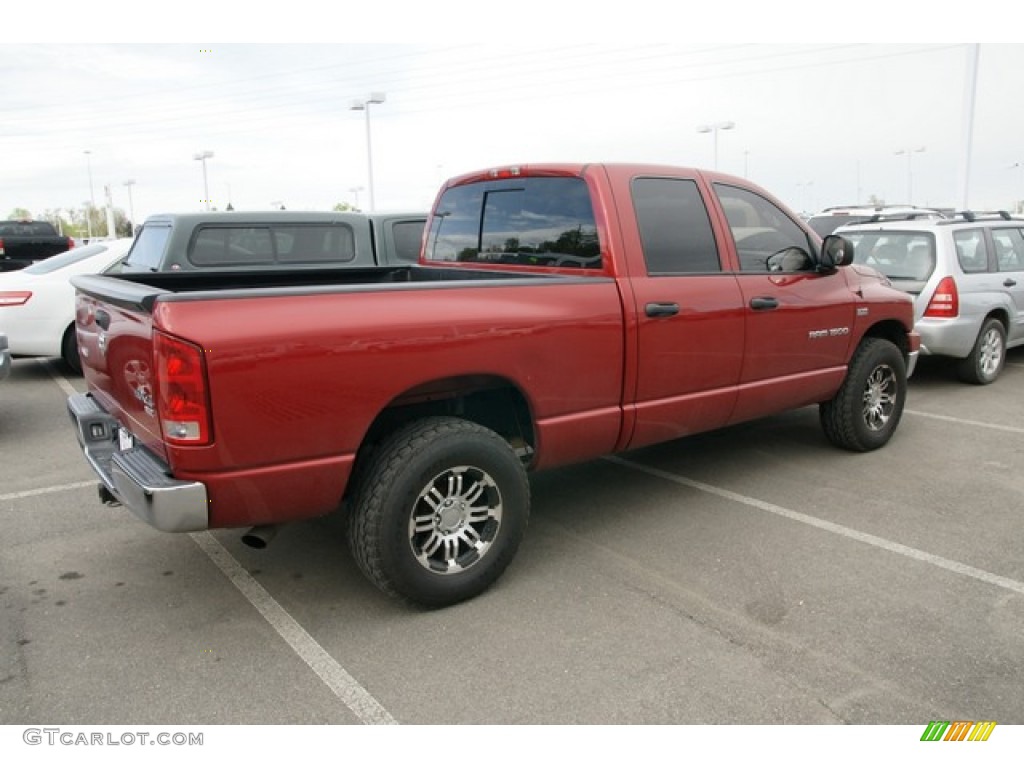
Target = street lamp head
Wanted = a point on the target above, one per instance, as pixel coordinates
(204, 155)
(359, 105)
(128, 182)
(723, 126)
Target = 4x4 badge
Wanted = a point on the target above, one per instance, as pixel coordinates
(863, 311)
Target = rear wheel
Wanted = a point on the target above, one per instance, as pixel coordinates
(865, 412)
(985, 362)
(439, 511)
(69, 350)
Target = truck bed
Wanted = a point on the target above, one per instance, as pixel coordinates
(141, 290)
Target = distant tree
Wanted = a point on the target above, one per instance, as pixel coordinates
(875, 200)
(20, 213)
(343, 207)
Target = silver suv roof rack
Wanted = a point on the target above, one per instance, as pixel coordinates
(976, 215)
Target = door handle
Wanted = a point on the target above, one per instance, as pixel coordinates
(662, 309)
(1009, 282)
(764, 302)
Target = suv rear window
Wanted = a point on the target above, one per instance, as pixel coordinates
(525, 221)
(897, 255)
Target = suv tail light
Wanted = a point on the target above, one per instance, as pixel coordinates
(1, 246)
(14, 298)
(182, 398)
(945, 301)
(71, 243)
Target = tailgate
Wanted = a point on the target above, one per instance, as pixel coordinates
(114, 325)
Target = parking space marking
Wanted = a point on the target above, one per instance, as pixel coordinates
(840, 530)
(967, 422)
(334, 676)
(58, 377)
(48, 489)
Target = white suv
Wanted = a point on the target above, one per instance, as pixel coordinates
(966, 274)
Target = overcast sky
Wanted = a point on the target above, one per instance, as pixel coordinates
(816, 125)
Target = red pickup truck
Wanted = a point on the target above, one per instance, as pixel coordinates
(558, 313)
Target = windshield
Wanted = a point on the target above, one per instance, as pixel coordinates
(897, 255)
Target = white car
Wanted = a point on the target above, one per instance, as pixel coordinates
(37, 303)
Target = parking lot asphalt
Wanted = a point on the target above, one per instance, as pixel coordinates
(751, 575)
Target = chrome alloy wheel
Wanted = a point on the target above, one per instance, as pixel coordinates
(455, 520)
(990, 353)
(880, 397)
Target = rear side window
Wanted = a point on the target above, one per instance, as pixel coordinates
(148, 250)
(314, 244)
(675, 228)
(408, 236)
(1009, 247)
(524, 221)
(970, 250)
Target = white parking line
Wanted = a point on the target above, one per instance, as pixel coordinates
(334, 676)
(58, 377)
(841, 530)
(48, 489)
(968, 422)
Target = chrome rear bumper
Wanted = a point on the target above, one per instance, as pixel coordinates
(136, 477)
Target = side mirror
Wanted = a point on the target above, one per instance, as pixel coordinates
(836, 251)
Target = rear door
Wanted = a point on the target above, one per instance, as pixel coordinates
(797, 321)
(690, 315)
(1008, 250)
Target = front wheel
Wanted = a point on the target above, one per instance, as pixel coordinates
(439, 512)
(985, 362)
(867, 408)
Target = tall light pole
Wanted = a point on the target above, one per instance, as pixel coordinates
(363, 105)
(131, 208)
(203, 157)
(92, 194)
(355, 192)
(910, 171)
(713, 129)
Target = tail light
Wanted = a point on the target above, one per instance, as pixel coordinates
(1, 246)
(945, 301)
(182, 398)
(14, 298)
(71, 243)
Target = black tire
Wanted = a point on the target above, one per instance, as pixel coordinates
(69, 350)
(450, 555)
(867, 408)
(985, 362)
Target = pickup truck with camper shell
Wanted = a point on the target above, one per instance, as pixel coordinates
(558, 313)
(243, 241)
(24, 242)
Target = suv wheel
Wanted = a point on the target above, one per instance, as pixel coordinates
(985, 362)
